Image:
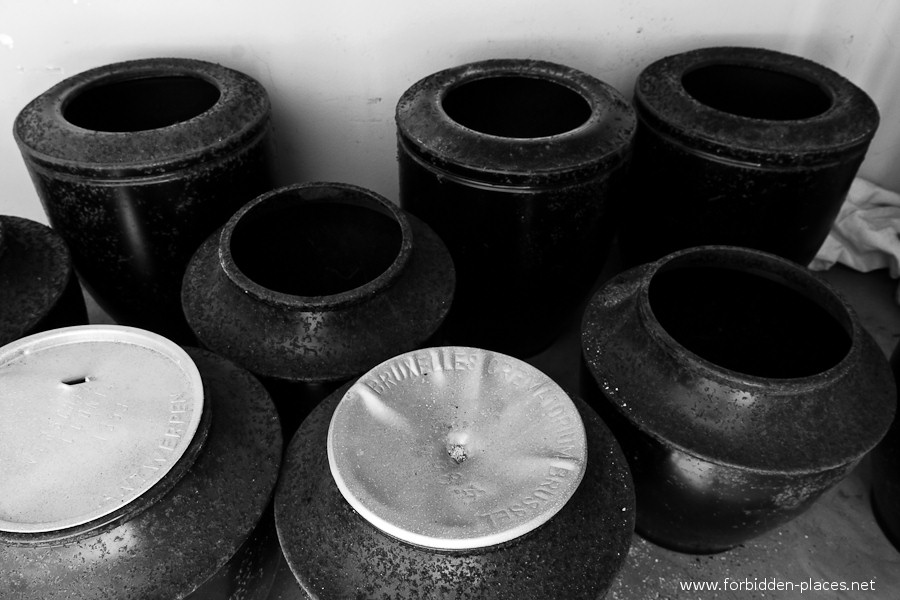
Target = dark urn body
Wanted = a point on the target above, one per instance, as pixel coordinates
(744, 147)
(740, 386)
(136, 163)
(312, 284)
(519, 167)
(886, 473)
(38, 286)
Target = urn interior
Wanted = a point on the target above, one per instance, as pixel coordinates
(315, 247)
(141, 103)
(749, 321)
(755, 92)
(516, 106)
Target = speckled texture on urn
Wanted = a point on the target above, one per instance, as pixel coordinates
(205, 538)
(740, 387)
(312, 284)
(334, 553)
(886, 472)
(136, 163)
(38, 286)
(741, 146)
(519, 166)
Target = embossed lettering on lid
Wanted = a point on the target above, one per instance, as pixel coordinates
(456, 448)
(91, 417)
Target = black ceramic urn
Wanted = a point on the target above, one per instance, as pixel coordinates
(740, 386)
(38, 286)
(136, 163)
(519, 166)
(133, 469)
(741, 146)
(886, 473)
(453, 472)
(312, 284)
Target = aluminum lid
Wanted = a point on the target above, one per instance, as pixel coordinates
(91, 417)
(456, 448)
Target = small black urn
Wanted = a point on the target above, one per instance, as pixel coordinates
(740, 386)
(312, 284)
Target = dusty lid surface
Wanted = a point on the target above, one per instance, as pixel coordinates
(456, 448)
(91, 417)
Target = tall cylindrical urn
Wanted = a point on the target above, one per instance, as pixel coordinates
(741, 146)
(136, 163)
(519, 166)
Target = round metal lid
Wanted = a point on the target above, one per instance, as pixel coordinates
(91, 417)
(456, 448)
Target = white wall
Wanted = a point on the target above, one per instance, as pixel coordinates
(335, 69)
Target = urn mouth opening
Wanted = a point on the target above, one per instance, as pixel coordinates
(750, 317)
(309, 243)
(518, 107)
(127, 105)
(756, 92)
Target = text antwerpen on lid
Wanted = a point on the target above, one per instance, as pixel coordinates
(131, 468)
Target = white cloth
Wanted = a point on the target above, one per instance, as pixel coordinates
(866, 234)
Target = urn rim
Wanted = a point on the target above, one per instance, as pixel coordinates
(756, 262)
(839, 421)
(319, 339)
(572, 153)
(237, 118)
(311, 193)
(667, 102)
